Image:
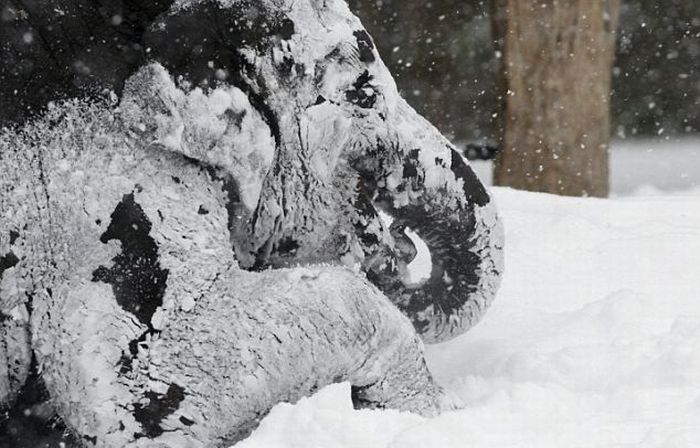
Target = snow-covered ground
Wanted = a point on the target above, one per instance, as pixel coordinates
(644, 166)
(593, 340)
(656, 166)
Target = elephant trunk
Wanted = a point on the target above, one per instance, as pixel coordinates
(430, 189)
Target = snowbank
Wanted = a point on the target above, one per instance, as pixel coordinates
(593, 341)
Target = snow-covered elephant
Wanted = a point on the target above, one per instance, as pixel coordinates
(144, 328)
(267, 137)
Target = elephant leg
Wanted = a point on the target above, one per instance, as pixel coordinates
(260, 338)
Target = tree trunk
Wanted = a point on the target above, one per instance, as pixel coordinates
(556, 61)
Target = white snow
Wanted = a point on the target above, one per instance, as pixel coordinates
(656, 166)
(593, 341)
(643, 167)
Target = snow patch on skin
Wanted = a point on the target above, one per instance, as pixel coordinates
(94, 355)
(220, 127)
(327, 132)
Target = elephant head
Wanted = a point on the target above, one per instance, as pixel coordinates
(346, 150)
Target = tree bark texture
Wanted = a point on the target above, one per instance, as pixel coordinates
(556, 65)
(152, 238)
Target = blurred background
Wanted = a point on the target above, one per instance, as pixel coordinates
(444, 57)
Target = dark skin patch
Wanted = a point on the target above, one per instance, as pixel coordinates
(127, 359)
(235, 117)
(358, 395)
(7, 261)
(21, 427)
(137, 280)
(410, 169)
(151, 415)
(186, 421)
(473, 189)
(411, 164)
(364, 46)
(285, 68)
(286, 247)
(287, 29)
(366, 209)
(362, 93)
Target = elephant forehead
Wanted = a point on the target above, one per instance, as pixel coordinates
(332, 41)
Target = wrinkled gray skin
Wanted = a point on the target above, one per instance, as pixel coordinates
(145, 328)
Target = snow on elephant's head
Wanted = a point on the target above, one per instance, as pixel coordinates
(218, 126)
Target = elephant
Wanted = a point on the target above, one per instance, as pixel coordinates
(194, 225)
(145, 329)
